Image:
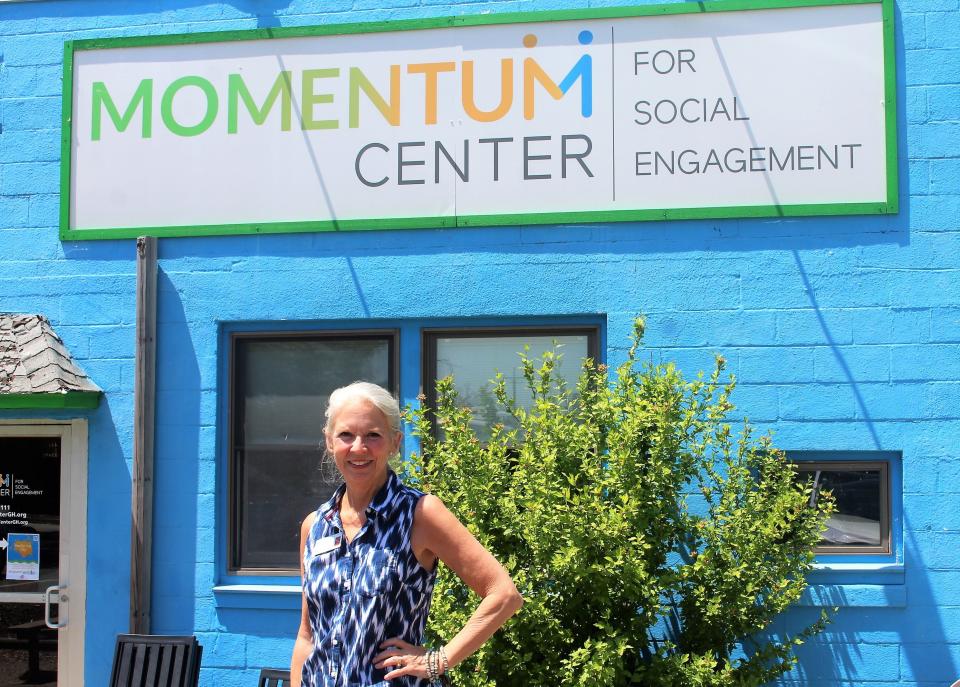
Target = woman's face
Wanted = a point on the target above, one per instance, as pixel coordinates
(361, 442)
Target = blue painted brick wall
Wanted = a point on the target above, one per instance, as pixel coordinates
(844, 332)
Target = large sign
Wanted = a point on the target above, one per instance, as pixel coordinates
(674, 111)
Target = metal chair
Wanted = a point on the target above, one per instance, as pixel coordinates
(274, 677)
(156, 661)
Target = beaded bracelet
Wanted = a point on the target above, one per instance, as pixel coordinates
(437, 665)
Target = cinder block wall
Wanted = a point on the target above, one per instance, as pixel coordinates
(843, 332)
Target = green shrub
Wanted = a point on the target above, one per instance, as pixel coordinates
(653, 543)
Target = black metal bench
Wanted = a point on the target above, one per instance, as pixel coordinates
(156, 661)
(274, 677)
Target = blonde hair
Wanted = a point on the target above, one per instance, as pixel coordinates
(367, 391)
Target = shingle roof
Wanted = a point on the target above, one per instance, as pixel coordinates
(33, 359)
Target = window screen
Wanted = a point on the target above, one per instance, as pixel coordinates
(473, 358)
(280, 391)
(861, 520)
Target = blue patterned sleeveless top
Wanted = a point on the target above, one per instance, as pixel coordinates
(360, 593)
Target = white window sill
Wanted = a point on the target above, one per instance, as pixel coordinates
(853, 591)
(872, 568)
(269, 596)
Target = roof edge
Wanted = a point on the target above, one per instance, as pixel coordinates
(73, 400)
(35, 360)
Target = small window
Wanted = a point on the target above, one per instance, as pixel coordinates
(860, 523)
(280, 385)
(473, 358)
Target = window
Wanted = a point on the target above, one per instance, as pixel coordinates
(474, 357)
(279, 382)
(860, 523)
(280, 386)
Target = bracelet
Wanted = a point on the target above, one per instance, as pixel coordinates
(437, 664)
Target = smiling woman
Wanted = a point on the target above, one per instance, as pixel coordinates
(362, 434)
(369, 560)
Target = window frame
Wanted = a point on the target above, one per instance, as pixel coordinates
(885, 548)
(430, 335)
(234, 468)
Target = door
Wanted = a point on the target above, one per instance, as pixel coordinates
(42, 553)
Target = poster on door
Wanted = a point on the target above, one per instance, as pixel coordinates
(23, 556)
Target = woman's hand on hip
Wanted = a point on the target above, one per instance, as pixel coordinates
(402, 658)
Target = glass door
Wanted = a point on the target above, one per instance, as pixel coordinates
(31, 584)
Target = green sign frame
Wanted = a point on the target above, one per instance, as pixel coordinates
(890, 206)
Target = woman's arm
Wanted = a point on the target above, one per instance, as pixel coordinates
(304, 643)
(437, 533)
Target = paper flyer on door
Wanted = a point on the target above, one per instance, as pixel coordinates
(23, 556)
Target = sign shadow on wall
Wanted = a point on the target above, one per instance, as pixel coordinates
(182, 570)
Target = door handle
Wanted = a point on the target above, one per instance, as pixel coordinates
(47, 603)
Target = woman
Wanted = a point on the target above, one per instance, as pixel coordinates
(368, 560)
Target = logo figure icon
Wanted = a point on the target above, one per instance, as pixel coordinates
(582, 70)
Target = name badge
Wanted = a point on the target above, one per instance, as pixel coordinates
(325, 544)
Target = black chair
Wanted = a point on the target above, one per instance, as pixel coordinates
(156, 661)
(274, 677)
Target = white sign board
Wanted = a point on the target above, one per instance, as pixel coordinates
(785, 110)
